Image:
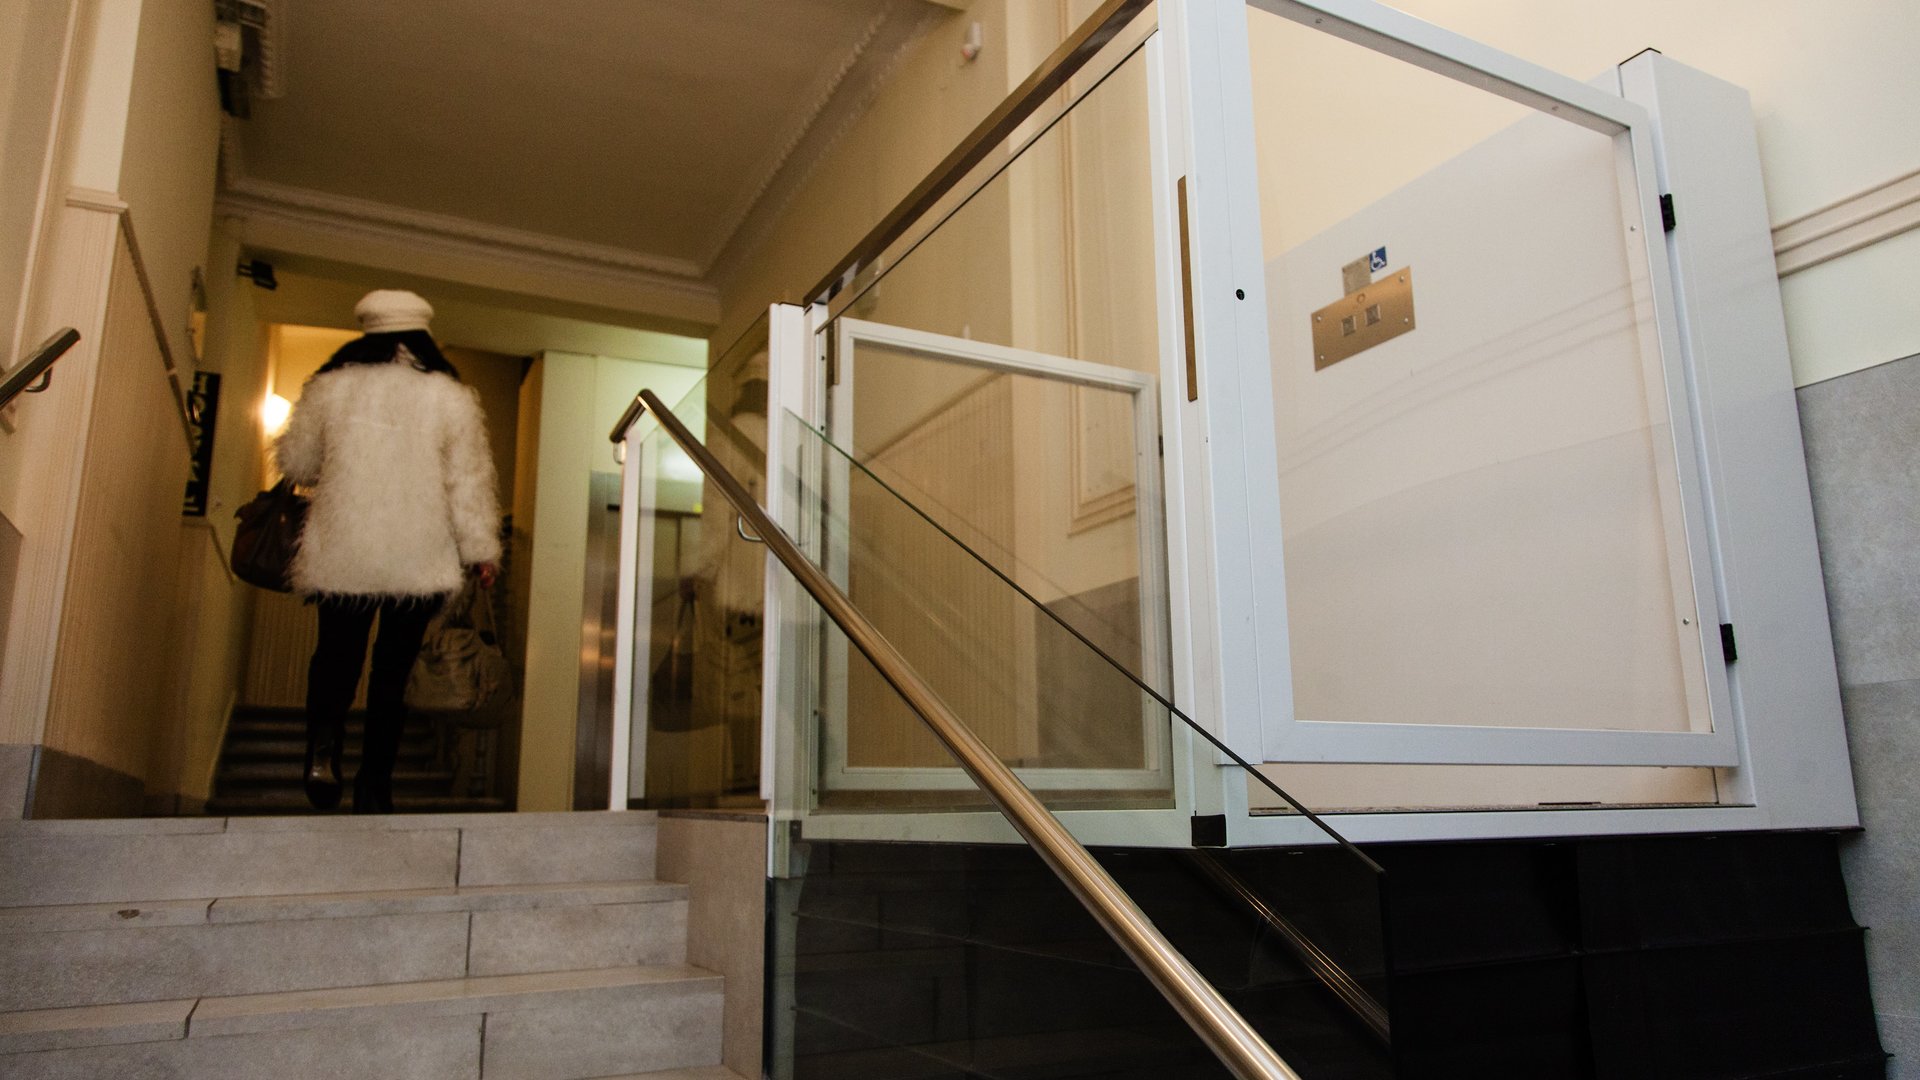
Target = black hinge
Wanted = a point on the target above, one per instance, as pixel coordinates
(1209, 830)
(833, 361)
(1726, 643)
(1666, 212)
(1161, 441)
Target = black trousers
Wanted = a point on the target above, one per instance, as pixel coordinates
(334, 673)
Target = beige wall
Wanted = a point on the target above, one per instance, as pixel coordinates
(31, 63)
(167, 164)
(579, 398)
(927, 106)
(217, 609)
(126, 538)
(143, 122)
(95, 603)
(1835, 91)
(126, 62)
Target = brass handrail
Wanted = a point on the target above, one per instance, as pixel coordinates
(34, 374)
(1319, 963)
(1218, 1024)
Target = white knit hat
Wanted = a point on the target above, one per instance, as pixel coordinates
(387, 311)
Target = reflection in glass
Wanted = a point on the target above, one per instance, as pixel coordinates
(699, 600)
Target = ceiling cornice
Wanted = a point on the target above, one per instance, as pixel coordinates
(838, 99)
(781, 150)
(655, 285)
(246, 191)
(842, 99)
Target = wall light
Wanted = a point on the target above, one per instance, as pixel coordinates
(273, 414)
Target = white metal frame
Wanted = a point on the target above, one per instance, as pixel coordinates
(632, 634)
(792, 794)
(1777, 735)
(1224, 198)
(629, 709)
(1722, 323)
(849, 335)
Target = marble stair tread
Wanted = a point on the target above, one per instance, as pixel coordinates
(276, 803)
(291, 772)
(301, 822)
(242, 909)
(33, 1030)
(295, 1009)
(296, 750)
(463, 898)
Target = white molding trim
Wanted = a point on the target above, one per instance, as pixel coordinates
(843, 94)
(781, 150)
(250, 193)
(852, 93)
(105, 202)
(1858, 221)
(363, 220)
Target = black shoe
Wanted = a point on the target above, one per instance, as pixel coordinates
(322, 773)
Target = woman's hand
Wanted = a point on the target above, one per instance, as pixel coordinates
(487, 573)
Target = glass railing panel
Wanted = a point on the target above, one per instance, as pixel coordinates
(698, 602)
(1484, 523)
(1299, 936)
(1072, 722)
(1023, 334)
(903, 960)
(1016, 935)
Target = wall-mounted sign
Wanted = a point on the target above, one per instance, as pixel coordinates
(203, 409)
(1372, 312)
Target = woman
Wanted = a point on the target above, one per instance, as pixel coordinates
(395, 450)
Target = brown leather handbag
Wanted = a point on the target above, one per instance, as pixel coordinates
(268, 533)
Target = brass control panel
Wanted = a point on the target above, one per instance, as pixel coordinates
(1371, 313)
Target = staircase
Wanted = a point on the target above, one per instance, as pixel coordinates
(484, 947)
(265, 750)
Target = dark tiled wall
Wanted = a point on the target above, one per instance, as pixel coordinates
(1637, 958)
(1863, 455)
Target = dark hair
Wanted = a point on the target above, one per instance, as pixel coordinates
(381, 348)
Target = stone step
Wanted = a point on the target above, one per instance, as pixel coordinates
(241, 775)
(284, 749)
(137, 860)
(569, 1025)
(297, 729)
(94, 954)
(275, 801)
(239, 909)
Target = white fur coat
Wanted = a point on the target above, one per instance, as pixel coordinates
(403, 484)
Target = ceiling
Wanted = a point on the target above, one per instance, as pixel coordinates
(648, 126)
